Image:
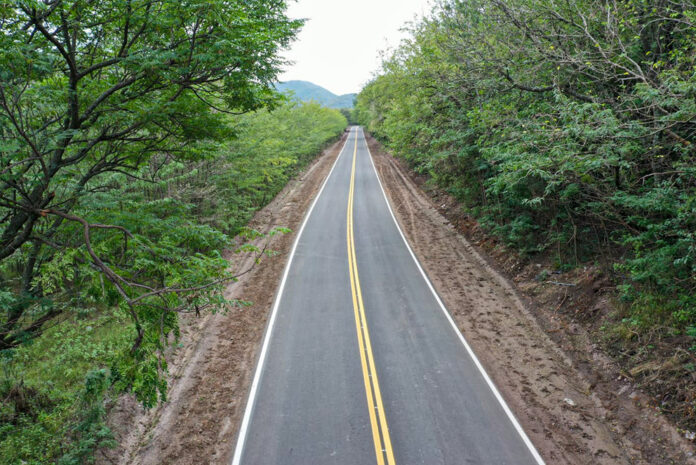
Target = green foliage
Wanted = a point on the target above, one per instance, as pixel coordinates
(92, 92)
(135, 141)
(270, 147)
(91, 432)
(54, 399)
(563, 127)
(180, 220)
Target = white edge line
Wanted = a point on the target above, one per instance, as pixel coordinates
(241, 436)
(489, 381)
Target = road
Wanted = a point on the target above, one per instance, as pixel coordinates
(361, 363)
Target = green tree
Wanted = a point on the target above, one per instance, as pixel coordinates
(564, 126)
(89, 91)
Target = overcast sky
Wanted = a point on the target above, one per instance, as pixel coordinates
(339, 44)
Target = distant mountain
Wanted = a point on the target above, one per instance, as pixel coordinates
(306, 91)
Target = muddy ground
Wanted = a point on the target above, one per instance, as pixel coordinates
(572, 400)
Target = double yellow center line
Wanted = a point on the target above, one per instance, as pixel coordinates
(378, 420)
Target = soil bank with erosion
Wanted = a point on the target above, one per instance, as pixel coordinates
(570, 398)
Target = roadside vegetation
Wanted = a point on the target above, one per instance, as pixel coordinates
(137, 139)
(567, 129)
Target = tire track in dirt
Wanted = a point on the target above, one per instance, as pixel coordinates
(211, 372)
(556, 403)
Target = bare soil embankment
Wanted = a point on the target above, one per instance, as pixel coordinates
(572, 400)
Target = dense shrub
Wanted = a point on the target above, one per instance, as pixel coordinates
(566, 127)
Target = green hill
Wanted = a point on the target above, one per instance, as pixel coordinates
(306, 91)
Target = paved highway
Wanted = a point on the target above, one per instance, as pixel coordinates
(361, 363)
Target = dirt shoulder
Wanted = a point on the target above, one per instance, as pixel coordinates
(572, 400)
(212, 368)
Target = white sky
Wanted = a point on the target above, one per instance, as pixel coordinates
(338, 46)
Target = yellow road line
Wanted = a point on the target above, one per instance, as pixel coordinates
(372, 391)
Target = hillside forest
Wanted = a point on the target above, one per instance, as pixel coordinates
(306, 92)
(137, 139)
(567, 129)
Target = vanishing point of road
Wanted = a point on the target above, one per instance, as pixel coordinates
(361, 362)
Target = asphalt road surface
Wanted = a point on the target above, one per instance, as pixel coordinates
(361, 363)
